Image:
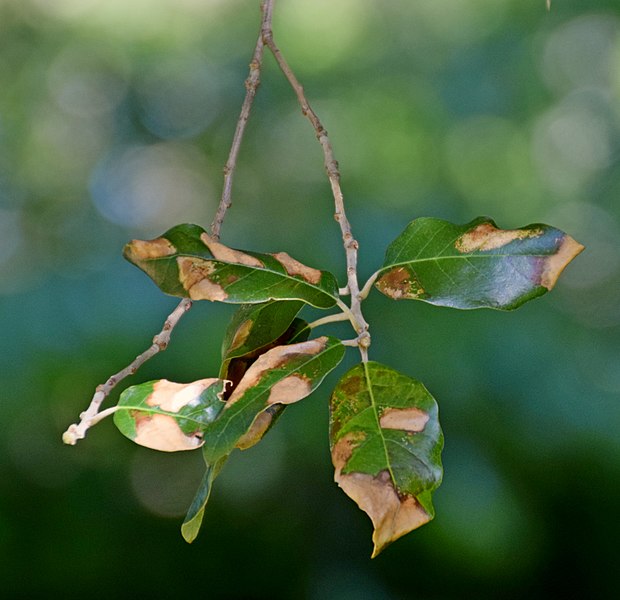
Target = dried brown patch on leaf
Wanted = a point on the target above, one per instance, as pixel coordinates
(161, 432)
(488, 237)
(392, 515)
(241, 335)
(257, 430)
(138, 250)
(272, 359)
(172, 397)
(343, 449)
(405, 419)
(296, 269)
(229, 255)
(352, 385)
(289, 390)
(398, 283)
(194, 277)
(556, 263)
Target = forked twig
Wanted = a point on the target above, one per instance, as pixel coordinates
(77, 431)
(333, 174)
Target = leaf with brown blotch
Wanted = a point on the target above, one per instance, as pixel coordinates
(169, 416)
(255, 328)
(386, 448)
(476, 265)
(186, 261)
(280, 376)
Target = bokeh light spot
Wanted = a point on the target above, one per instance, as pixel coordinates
(165, 483)
(333, 39)
(578, 53)
(179, 97)
(490, 164)
(152, 186)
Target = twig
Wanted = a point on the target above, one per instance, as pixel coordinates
(91, 415)
(333, 174)
(368, 285)
(341, 316)
(251, 87)
(77, 431)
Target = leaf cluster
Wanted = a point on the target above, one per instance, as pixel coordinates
(385, 436)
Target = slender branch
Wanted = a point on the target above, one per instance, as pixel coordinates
(77, 431)
(91, 415)
(329, 319)
(251, 87)
(333, 174)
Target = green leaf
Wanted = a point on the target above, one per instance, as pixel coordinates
(193, 519)
(168, 416)
(386, 448)
(282, 375)
(474, 265)
(254, 327)
(186, 261)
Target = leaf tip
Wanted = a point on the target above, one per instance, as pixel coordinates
(556, 263)
(189, 530)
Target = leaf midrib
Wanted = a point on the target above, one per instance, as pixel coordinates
(250, 269)
(459, 257)
(373, 403)
(158, 411)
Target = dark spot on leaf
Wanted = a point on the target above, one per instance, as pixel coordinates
(399, 283)
(352, 385)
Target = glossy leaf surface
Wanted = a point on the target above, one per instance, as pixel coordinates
(254, 327)
(282, 375)
(386, 448)
(169, 416)
(474, 265)
(186, 261)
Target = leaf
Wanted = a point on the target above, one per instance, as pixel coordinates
(168, 416)
(282, 375)
(254, 327)
(474, 265)
(193, 520)
(186, 261)
(386, 448)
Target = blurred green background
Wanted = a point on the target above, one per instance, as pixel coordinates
(115, 121)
